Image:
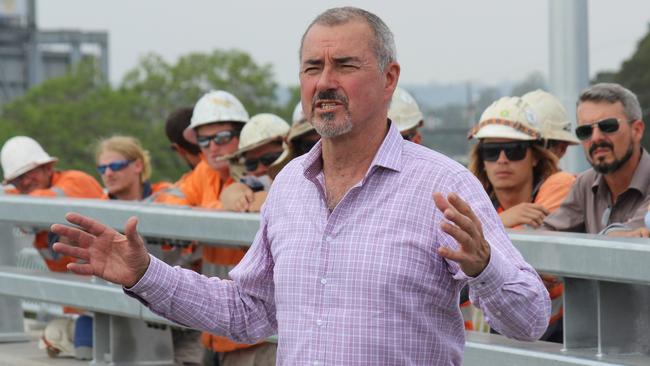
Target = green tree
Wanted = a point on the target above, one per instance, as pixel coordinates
(67, 115)
(163, 86)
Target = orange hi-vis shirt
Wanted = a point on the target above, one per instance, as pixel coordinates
(69, 183)
(550, 195)
(72, 184)
(202, 188)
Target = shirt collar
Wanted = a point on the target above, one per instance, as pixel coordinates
(388, 156)
(640, 180)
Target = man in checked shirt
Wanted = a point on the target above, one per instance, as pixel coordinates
(346, 269)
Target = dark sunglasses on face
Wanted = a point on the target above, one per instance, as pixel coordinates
(609, 125)
(266, 160)
(219, 138)
(409, 136)
(115, 166)
(515, 150)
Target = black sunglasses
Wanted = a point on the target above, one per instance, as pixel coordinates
(515, 150)
(115, 166)
(266, 160)
(219, 138)
(609, 125)
(409, 136)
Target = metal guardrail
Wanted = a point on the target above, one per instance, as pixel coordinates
(607, 281)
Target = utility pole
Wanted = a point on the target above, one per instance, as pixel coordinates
(569, 64)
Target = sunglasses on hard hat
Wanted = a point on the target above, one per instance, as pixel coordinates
(115, 166)
(266, 160)
(219, 138)
(609, 125)
(514, 151)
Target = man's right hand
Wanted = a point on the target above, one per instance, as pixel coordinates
(525, 213)
(122, 259)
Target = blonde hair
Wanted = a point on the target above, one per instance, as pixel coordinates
(546, 166)
(130, 148)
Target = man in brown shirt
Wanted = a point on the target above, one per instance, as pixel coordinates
(613, 197)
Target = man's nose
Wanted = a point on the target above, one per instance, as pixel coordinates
(327, 80)
(597, 134)
(502, 157)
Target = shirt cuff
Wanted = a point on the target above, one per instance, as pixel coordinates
(154, 286)
(493, 277)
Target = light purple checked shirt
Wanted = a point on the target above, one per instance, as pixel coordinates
(362, 285)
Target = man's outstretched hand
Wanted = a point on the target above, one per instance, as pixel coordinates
(474, 253)
(118, 258)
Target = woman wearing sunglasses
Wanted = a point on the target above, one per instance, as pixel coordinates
(517, 173)
(511, 163)
(125, 169)
(260, 146)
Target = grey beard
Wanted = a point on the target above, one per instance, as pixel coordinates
(615, 165)
(327, 129)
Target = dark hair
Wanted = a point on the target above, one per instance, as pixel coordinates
(612, 93)
(383, 42)
(176, 123)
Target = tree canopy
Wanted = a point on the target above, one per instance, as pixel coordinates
(68, 114)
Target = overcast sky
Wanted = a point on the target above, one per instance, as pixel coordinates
(437, 41)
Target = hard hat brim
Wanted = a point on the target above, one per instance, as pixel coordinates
(26, 168)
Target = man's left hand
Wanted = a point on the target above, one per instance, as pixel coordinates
(474, 253)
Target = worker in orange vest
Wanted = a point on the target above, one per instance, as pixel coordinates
(30, 170)
(217, 120)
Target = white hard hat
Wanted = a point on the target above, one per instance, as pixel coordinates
(553, 119)
(508, 117)
(58, 338)
(21, 154)
(404, 110)
(261, 129)
(299, 124)
(215, 106)
(298, 115)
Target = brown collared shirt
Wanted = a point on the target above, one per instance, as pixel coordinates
(589, 209)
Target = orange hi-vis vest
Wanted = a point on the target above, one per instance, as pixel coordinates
(69, 183)
(202, 188)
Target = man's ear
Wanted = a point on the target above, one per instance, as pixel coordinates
(391, 73)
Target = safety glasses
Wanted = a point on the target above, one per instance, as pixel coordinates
(409, 136)
(266, 160)
(609, 125)
(115, 166)
(220, 138)
(514, 151)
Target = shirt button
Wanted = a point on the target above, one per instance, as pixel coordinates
(316, 363)
(323, 281)
(319, 322)
(145, 293)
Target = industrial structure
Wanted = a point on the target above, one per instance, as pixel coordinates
(29, 56)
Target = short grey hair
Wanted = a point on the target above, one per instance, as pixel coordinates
(612, 93)
(384, 42)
